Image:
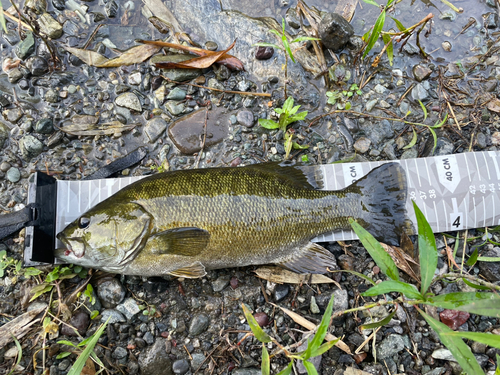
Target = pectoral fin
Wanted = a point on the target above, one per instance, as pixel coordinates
(312, 258)
(187, 241)
(192, 271)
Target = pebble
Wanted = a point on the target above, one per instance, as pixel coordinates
(495, 139)
(113, 315)
(176, 94)
(149, 338)
(80, 321)
(264, 53)
(4, 167)
(362, 145)
(421, 72)
(129, 100)
(154, 128)
(129, 308)
(30, 147)
(154, 360)
(51, 96)
(220, 283)
(390, 346)
(174, 108)
(334, 31)
(199, 324)
(111, 292)
(119, 353)
(370, 104)
(419, 93)
(12, 115)
(37, 65)
(245, 118)
(196, 360)
(181, 366)
(44, 126)
(280, 292)
(314, 306)
(211, 46)
(13, 174)
(26, 47)
(135, 78)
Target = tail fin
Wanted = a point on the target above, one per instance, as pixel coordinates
(383, 199)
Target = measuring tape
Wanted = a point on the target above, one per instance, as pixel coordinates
(454, 192)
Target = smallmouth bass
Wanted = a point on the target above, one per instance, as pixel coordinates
(185, 222)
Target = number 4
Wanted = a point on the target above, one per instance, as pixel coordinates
(456, 223)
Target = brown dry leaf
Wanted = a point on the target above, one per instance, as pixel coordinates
(346, 8)
(89, 368)
(311, 326)
(102, 129)
(134, 55)
(403, 261)
(158, 8)
(281, 276)
(229, 60)
(494, 105)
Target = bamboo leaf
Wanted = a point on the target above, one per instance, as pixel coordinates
(399, 25)
(389, 50)
(266, 366)
(287, 49)
(456, 346)
(321, 331)
(427, 249)
(254, 326)
(390, 286)
(479, 303)
(485, 338)
(323, 348)
(287, 370)
(376, 251)
(380, 323)
(377, 28)
(413, 140)
(423, 109)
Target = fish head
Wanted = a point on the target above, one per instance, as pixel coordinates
(106, 237)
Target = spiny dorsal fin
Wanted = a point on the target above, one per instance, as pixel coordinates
(192, 271)
(187, 241)
(306, 177)
(312, 258)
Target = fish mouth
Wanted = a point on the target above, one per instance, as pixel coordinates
(68, 249)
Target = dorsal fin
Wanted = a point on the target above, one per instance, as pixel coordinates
(306, 177)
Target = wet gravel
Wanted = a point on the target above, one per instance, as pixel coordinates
(176, 326)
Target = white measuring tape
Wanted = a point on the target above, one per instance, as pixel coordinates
(454, 192)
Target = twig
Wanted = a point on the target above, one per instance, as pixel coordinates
(468, 277)
(204, 140)
(224, 91)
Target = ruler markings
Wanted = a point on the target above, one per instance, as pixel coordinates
(435, 213)
(418, 174)
(445, 214)
(477, 166)
(487, 167)
(427, 169)
(493, 204)
(484, 208)
(475, 209)
(467, 166)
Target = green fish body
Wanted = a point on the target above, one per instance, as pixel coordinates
(185, 222)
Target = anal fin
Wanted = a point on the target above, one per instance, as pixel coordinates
(312, 258)
(192, 271)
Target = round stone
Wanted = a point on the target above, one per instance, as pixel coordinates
(264, 53)
(111, 292)
(37, 65)
(181, 366)
(13, 174)
(44, 126)
(30, 147)
(211, 46)
(199, 324)
(245, 118)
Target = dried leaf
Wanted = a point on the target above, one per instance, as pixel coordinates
(311, 326)
(158, 8)
(282, 276)
(201, 62)
(102, 129)
(134, 55)
(229, 60)
(494, 105)
(403, 261)
(89, 368)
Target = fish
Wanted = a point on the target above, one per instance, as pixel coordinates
(185, 222)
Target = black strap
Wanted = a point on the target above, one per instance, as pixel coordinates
(14, 221)
(120, 164)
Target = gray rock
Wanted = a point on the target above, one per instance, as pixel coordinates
(111, 292)
(313, 306)
(174, 108)
(280, 292)
(411, 153)
(199, 324)
(379, 89)
(436, 371)
(419, 93)
(154, 360)
(245, 118)
(370, 104)
(30, 147)
(197, 360)
(362, 145)
(491, 20)
(154, 128)
(443, 354)
(26, 47)
(37, 65)
(51, 96)
(113, 315)
(176, 94)
(135, 78)
(380, 131)
(13, 174)
(247, 371)
(390, 346)
(12, 115)
(129, 308)
(129, 100)
(478, 347)
(4, 134)
(491, 270)
(44, 126)
(80, 321)
(11, 36)
(335, 31)
(119, 353)
(443, 147)
(220, 283)
(149, 338)
(421, 72)
(181, 366)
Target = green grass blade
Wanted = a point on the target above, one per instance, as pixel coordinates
(287, 370)
(321, 332)
(485, 338)
(311, 370)
(324, 348)
(475, 286)
(377, 28)
(435, 138)
(287, 49)
(473, 258)
(254, 326)
(390, 49)
(266, 365)
(19, 354)
(497, 370)
(423, 109)
(427, 249)
(268, 124)
(451, 5)
(390, 286)
(455, 345)
(275, 32)
(488, 259)
(77, 367)
(413, 140)
(479, 303)
(439, 124)
(399, 25)
(296, 146)
(298, 117)
(376, 251)
(371, 2)
(380, 323)
(303, 38)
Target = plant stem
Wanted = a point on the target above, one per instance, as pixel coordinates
(468, 277)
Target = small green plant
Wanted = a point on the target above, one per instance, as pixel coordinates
(486, 238)
(288, 114)
(54, 277)
(341, 98)
(89, 294)
(85, 349)
(285, 46)
(315, 347)
(15, 266)
(480, 303)
(19, 355)
(149, 311)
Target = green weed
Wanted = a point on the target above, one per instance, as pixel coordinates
(9, 264)
(340, 98)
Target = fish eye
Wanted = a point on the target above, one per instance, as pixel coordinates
(83, 222)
